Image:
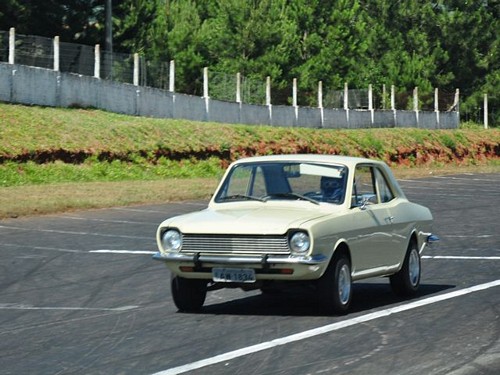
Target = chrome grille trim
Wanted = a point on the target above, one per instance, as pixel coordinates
(235, 244)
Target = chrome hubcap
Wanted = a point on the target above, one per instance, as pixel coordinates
(344, 284)
(414, 267)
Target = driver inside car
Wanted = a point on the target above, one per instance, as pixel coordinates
(331, 189)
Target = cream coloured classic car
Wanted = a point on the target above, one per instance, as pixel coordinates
(319, 219)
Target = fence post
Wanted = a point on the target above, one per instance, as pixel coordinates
(12, 45)
(436, 106)
(268, 99)
(238, 88)
(268, 90)
(383, 96)
(171, 76)
(205, 83)
(393, 105)
(456, 105)
(294, 100)
(136, 69)
(415, 104)
(320, 102)
(346, 96)
(205, 92)
(346, 103)
(370, 104)
(320, 94)
(97, 61)
(393, 98)
(56, 53)
(456, 101)
(294, 93)
(485, 111)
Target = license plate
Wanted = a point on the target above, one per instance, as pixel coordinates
(233, 275)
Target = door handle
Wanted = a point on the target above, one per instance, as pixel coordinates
(390, 219)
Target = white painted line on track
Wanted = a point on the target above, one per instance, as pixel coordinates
(195, 204)
(108, 220)
(133, 252)
(14, 306)
(460, 257)
(323, 330)
(465, 178)
(42, 248)
(147, 252)
(430, 178)
(469, 236)
(71, 232)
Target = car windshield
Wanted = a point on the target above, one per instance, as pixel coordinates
(265, 181)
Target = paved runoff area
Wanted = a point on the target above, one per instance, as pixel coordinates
(80, 294)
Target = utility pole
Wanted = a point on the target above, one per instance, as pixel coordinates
(108, 41)
(109, 27)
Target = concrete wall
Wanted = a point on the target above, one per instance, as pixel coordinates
(335, 119)
(38, 86)
(227, 112)
(309, 117)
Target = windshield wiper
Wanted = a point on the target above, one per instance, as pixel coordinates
(292, 195)
(242, 196)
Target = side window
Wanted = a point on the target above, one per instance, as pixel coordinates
(258, 187)
(247, 181)
(364, 186)
(240, 181)
(385, 193)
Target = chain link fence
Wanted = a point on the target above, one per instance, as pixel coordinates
(80, 59)
(223, 86)
(4, 46)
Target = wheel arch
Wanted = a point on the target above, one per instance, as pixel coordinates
(413, 238)
(341, 248)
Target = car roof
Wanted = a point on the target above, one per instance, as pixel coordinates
(349, 161)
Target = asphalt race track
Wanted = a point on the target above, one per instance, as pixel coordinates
(80, 294)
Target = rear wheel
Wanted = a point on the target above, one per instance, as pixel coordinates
(335, 286)
(406, 282)
(188, 294)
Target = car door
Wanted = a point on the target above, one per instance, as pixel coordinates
(371, 239)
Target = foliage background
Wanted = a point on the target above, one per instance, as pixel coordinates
(446, 44)
(52, 145)
(54, 159)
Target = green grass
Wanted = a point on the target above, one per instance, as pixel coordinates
(54, 159)
(92, 170)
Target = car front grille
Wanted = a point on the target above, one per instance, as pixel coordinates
(235, 244)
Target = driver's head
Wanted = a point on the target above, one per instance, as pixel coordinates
(330, 184)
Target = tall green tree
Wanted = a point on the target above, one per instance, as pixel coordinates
(77, 21)
(251, 37)
(444, 43)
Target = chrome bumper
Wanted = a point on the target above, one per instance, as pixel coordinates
(264, 260)
(432, 238)
(429, 239)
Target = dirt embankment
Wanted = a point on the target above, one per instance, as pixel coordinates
(416, 154)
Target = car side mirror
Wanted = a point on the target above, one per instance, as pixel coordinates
(363, 201)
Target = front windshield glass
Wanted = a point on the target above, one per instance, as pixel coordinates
(265, 181)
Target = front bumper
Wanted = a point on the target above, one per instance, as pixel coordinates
(428, 240)
(263, 261)
(266, 267)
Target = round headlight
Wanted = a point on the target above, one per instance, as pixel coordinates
(300, 242)
(171, 240)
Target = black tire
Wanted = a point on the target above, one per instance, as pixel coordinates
(189, 295)
(405, 283)
(335, 286)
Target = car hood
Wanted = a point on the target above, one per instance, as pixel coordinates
(254, 220)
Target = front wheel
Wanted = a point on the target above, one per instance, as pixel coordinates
(405, 283)
(335, 286)
(189, 295)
